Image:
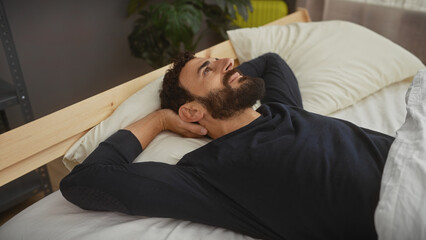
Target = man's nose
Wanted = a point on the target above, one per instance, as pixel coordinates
(227, 64)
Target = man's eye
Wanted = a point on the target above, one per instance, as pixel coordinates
(207, 70)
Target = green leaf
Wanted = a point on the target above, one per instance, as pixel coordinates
(231, 10)
(242, 10)
(183, 21)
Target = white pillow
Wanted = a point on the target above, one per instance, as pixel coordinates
(401, 212)
(166, 147)
(337, 63)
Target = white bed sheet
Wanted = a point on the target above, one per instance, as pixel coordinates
(55, 218)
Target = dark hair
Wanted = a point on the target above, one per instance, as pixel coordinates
(173, 95)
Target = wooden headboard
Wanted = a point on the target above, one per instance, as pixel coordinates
(36, 143)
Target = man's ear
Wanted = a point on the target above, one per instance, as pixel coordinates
(191, 112)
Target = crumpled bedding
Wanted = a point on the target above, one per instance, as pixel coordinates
(401, 212)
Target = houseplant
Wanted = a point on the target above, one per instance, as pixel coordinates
(162, 30)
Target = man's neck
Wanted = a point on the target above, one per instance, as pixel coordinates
(218, 128)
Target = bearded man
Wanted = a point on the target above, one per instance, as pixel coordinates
(278, 172)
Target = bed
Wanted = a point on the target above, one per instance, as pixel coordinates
(381, 87)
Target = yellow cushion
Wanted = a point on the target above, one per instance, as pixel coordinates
(264, 11)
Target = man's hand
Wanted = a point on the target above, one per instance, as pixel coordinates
(172, 122)
(150, 126)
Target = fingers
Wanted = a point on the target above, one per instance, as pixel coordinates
(193, 130)
(203, 131)
(172, 122)
(191, 135)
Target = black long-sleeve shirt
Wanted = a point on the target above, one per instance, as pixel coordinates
(289, 174)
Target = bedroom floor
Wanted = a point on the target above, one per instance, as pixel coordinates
(56, 172)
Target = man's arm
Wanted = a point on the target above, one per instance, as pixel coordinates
(280, 83)
(108, 181)
(150, 126)
(87, 185)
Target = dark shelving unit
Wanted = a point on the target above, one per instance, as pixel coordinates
(12, 94)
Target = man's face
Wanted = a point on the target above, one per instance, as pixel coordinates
(202, 75)
(223, 90)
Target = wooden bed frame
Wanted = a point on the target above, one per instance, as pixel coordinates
(41, 141)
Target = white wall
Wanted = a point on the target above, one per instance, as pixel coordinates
(405, 27)
(414, 5)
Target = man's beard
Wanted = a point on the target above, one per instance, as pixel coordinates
(228, 102)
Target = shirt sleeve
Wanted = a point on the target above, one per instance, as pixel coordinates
(280, 83)
(108, 181)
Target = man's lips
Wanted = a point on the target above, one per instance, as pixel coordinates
(234, 77)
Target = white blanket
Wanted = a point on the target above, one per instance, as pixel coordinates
(401, 212)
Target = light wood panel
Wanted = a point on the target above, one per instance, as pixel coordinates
(43, 140)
